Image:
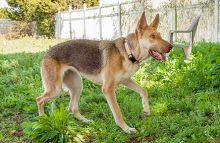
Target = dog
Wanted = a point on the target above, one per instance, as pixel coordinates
(108, 63)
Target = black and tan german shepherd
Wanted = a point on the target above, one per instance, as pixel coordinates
(108, 63)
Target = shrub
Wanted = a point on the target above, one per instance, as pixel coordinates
(55, 128)
(21, 29)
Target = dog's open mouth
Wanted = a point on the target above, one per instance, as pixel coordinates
(157, 55)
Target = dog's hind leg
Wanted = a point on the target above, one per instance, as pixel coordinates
(51, 77)
(73, 81)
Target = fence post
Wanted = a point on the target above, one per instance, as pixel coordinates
(142, 5)
(119, 19)
(70, 23)
(100, 20)
(84, 19)
(216, 21)
(58, 25)
(175, 22)
(171, 20)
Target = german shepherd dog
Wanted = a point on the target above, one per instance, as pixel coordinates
(108, 63)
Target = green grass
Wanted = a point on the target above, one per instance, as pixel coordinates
(184, 100)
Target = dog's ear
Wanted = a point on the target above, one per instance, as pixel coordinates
(142, 24)
(155, 23)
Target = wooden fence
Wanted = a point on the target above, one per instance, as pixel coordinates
(115, 20)
(5, 26)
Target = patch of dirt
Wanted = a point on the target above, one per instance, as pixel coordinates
(17, 118)
(18, 133)
(133, 139)
(150, 138)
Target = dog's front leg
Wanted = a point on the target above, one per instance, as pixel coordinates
(109, 92)
(144, 96)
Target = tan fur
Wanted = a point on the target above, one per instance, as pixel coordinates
(107, 64)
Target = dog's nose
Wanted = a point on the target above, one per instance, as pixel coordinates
(170, 47)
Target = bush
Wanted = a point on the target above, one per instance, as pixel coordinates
(54, 128)
(21, 29)
(200, 74)
(42, 11)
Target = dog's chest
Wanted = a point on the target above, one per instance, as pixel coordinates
(130, 70)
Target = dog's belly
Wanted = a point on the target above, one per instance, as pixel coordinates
(94, 78)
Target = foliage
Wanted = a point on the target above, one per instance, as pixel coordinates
(77, 4)
(20, 29)
(183, 3)
(187, 73)
(45, 16)
(3, 13)
(50, 128)
(184, 100)
(54, 128)
(43, 12)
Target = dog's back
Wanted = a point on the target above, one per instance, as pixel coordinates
(84, 55)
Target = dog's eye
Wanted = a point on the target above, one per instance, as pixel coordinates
(153, 36)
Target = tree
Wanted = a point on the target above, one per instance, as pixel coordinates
(182, 3)
(77, 4)
(45, 15)
(42, 11)
(3, 13)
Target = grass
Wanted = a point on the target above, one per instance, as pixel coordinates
(26, 44)
(184, 99)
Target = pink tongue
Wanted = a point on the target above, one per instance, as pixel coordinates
(158, 55)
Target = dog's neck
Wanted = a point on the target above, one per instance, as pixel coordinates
(128, 49)
(131, 44)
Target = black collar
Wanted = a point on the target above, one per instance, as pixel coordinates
(128, 50)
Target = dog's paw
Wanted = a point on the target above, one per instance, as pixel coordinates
(147, 113)
(79, 117)
(130, 131)
(87, 121)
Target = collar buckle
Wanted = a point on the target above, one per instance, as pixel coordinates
(130, 55)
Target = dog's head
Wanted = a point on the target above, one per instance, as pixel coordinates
(149, 39)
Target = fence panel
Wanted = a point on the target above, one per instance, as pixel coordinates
(112, 21)
(5, 26)
(218, 19)
(205, 29)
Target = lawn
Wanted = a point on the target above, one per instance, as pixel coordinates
(184, 98)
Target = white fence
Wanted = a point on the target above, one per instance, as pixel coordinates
(112, 21)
